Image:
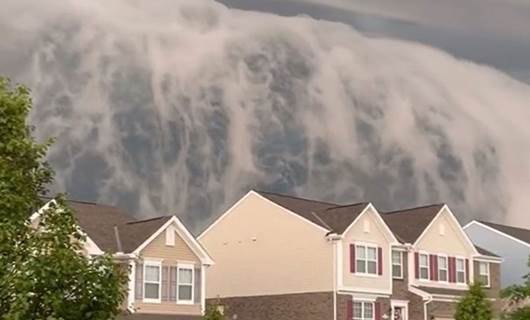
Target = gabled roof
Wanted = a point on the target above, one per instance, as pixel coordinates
(518, 233)
(133, 233)
(330, 216)
(408, 224)
(485, 252)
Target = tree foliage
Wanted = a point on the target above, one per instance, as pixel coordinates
(44, 273)
(519, 299)
(474, 305)
(213, 313)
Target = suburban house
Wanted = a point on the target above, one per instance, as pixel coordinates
(282, 257)
(511, 243)
(166, 264)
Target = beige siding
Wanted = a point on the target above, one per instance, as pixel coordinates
(171, 254)
(168, 308)
(452, 240)
(368, 229)
(260, 249)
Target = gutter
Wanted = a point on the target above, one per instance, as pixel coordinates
(332, 236)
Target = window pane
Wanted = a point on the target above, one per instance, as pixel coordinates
(396, 257)
(483, 268)
(423, 259)
(460, 277)
(372, 253)
(372, 267)
(361, 266)
(483, 280)
(459, 264)
(185, 276)
(184, 292)
(152, 273)
(424, 273)
(368, 310)
(360, 252)
(443, 275)
(151, 290)
(357, 310)
(396, 271)
(442, 262)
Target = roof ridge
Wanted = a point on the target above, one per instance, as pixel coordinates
(294, 197)
(413, 208)
(146, 220)
(503, 225)
(348, 205)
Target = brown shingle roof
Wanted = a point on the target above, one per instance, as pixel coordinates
(330, 216)
(485, 252)
(134, 233)
(408, 224)
(518, 233)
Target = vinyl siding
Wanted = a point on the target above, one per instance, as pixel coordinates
(261, 249)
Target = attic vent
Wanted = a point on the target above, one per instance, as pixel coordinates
(366, 226)
(442, 229)
(170, 236)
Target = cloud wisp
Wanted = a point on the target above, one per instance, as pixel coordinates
(180, 107)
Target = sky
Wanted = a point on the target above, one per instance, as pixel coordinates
(182, 106)
(492, 32)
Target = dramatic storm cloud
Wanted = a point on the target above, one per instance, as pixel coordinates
(181, 107)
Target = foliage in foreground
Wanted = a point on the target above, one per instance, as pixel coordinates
(44, 273)
(517, 296)
(474, 305)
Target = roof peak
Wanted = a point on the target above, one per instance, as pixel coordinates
(502, 225)
(294, 197)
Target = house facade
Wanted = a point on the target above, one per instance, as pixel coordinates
(281, 257)
(511, 243)
(166, 265)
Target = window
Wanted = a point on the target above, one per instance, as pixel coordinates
(460, 270)
(484, 273)
(424, 266)
(363, 310)
(442, 268)
(185, 284)
(397, 264)
(152, 275)
(366, 259)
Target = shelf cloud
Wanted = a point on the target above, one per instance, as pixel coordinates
(180, 107)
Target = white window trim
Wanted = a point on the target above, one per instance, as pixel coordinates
(186, 266)
(488, 284)
(158, 264)
(428, 266)
(366, 273)
(464, 270)
(399, 304)
(446, 268)
(400, 263)
(363, 302)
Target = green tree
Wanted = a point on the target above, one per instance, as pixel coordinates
(213, 313)
(474, 305)
(518, 297)
(44, 273)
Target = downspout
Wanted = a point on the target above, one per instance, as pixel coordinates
(425, 307)
(333, 237)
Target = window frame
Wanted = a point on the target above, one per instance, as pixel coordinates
(487, 275)
(182, 266)
(400, 276)
(152, 263)
(446, 258)
(363, 309)
(365, 247)
(457, 271)
(420, 266)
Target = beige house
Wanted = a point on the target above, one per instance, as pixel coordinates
(282, 257)
(167, 265)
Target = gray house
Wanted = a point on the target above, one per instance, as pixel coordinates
(510, 243)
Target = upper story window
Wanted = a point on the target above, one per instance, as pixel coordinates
(460, 270)
(442, 268)
(424, 266)
(185, 284)
(397, 264)
(366, 259)
(363, 310)
(484, 273)
(152, 277)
